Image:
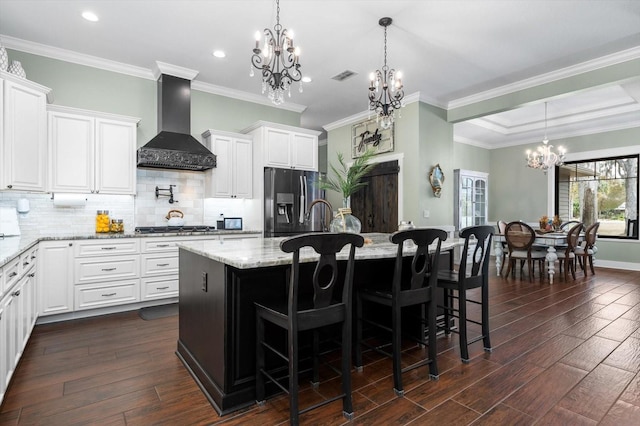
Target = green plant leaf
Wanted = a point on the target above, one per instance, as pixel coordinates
(347, 180)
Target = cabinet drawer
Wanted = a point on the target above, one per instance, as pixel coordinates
(106, 268)
(159, 288)
(88, 296)
(157, 264)
(107, 247)
(155, 245)
(28, 259)
(11, 272)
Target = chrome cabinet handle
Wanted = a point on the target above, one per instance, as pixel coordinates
(32, 275)
(163, 245)
(16, 293)
(162, 288)
(108, 294)
(162, 264)
(108, 269)
(107, 248)
(13, 274)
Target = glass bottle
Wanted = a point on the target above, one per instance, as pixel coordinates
(102, 221)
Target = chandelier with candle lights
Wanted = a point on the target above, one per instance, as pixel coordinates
(278, 61)
(544, 158)
(385, 89)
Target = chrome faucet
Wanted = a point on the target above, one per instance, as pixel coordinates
(325, 227)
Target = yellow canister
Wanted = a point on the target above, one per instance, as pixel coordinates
(117, 225)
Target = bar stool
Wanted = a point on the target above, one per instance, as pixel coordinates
(329, 302)
(410, 287)
(472, 273)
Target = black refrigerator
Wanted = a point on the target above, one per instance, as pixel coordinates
(287, 196)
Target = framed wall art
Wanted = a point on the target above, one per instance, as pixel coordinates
(369, 135)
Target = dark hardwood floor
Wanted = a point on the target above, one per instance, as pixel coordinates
(567, 353)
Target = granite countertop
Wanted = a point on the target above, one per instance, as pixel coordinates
(265, 252)
(12, 247)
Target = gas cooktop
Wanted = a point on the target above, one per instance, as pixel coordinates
(175, 229)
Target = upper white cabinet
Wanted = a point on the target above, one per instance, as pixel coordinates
(23, 134)
(233, 175)
(471, 198)
(277, 145)
(91, 152)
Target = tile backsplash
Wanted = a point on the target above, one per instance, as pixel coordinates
(143, 209)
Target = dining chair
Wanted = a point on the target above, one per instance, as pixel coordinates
(568, 225)
(566, 255)
(413, 284)
(473, 273)
(585, 250)
(520, 238)
(316, 299)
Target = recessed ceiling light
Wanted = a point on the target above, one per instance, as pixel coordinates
(219, 54)
(306, 79)
(90, 16)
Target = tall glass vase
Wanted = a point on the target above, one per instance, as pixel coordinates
(344, 221)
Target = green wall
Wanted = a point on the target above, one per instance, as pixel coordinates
(424, 138)
(469, 157)
(85, 87)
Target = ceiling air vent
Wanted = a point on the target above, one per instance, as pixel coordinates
(344, 75)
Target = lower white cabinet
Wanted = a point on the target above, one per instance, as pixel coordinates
(106, 268)
(18, 314)
(55, 277)
(159, 287)
(98, 295)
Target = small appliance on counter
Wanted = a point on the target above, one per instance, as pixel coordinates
(230, 223)
(9, 222)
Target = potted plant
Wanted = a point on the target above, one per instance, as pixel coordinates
(346, 181)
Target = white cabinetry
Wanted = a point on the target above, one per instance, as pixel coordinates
(277, 145)
(159, 267)
(55, 277)
(106, 273)
(23, 134)
(91, 152)
(18, 312)
(471, 198)
(233, 175)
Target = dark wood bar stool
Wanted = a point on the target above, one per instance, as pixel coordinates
(329, 302)
(410, 287)
(472, 273)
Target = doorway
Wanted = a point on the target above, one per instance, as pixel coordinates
(376, 205)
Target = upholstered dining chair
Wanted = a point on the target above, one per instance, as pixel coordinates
(520, 238)
(413, 285)
(316, 299)
(584, 252)
(566, 255)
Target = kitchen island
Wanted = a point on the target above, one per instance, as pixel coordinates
(219, 283)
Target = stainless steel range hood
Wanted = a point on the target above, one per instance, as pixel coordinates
(174, 147)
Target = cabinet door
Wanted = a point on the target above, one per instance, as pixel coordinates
(115, 157)
(222, 175)
(55, 277)
(276, 148)
(243, 169)
(24, 138)
(71, 148)
(304, 152)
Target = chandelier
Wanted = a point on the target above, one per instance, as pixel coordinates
(544, 158)
(385, 90)
(278, 61)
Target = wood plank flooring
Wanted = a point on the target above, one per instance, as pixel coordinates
(567, 353)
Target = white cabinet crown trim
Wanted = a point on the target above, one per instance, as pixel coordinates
(94, 114)
(279, 126)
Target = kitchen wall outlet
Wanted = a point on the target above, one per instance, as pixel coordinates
(425, 213)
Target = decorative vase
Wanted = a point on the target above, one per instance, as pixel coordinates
(16, 69)
(4, 59)
(344, 221)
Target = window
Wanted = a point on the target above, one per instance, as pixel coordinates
(601, 190)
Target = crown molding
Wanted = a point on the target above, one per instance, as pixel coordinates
(364, 115)
(472, 142)
(174, 70)
(134, 71)
(605, 61)
(97, 114)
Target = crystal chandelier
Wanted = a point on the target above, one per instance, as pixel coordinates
(278, 61)
(385, 90)
(544, 158)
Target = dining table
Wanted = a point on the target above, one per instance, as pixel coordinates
(551, 240)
